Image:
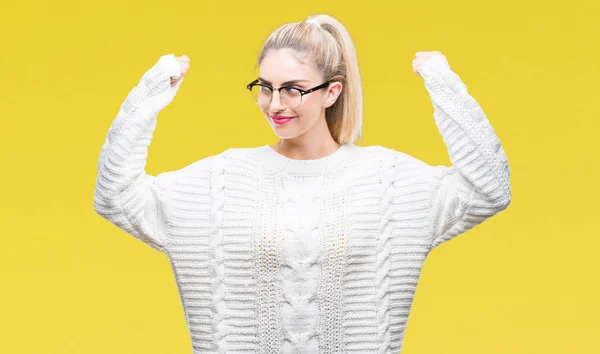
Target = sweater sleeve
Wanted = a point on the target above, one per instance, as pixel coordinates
(477, 184)
(125, 195)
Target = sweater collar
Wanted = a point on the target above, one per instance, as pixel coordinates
(296, 166)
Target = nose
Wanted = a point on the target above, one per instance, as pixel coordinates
(275, 104)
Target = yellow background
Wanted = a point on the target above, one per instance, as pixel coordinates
(525, 281)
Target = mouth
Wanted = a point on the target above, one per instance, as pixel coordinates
(280, 120)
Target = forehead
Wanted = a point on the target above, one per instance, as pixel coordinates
(286, 64)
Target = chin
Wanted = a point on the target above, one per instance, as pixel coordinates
(285, 136)
(283, 133)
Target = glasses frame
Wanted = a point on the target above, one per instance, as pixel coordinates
(302, 92)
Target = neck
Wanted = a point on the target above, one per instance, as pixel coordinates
(305, 151)
(307, 166)
(314, 144)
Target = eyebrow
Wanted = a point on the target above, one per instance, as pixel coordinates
(284, 83)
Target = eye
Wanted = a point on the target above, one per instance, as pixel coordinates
(265, 88)
(292, 91)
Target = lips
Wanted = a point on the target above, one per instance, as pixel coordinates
(279, 120)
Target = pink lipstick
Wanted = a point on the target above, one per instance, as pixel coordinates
(280, 120)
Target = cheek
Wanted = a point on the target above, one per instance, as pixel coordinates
(309, 108)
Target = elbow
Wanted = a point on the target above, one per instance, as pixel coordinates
(503, 200)
(501, 193)
(506, 202)
(103, 205)
(507, 188)
(496, 201)
(507, 196)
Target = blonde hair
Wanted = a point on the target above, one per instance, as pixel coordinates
(329, 44)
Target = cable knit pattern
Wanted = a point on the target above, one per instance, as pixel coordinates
(269, 260)
(300, 213)
(383, 254)
(276, 255)
(216, 255)
(333, 259)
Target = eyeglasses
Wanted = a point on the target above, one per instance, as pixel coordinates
(289, 96)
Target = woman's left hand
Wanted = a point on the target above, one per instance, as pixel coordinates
(420, 58)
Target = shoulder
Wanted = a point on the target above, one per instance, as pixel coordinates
(394, 156)
(201, 173)
(406, 164)
(235, 157)
(372, 153)
(199, 167)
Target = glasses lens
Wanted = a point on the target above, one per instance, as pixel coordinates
(261, 94)
(291, 97)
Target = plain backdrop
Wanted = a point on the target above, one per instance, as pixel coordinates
(525, 281)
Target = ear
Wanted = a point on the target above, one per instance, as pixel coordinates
(333, 91)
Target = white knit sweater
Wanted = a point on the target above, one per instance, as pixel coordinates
(277, 255)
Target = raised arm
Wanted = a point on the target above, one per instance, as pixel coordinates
(124, 194)
(477, 185)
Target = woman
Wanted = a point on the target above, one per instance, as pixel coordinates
(313, 244)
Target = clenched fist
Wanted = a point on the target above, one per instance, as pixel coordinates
(421, 57)
(160, 83)
(184, 63)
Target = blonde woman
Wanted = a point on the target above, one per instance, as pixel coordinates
(314, 244)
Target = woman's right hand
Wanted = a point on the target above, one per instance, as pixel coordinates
(184, 63)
